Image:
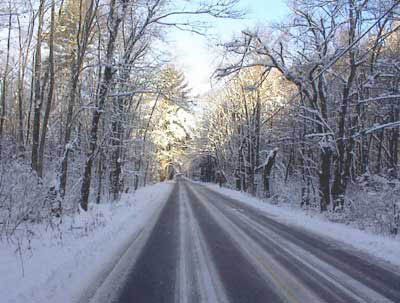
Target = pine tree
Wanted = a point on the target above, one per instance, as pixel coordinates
(173, 132)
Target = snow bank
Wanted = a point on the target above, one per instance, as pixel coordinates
(61, 262)
(383, 247)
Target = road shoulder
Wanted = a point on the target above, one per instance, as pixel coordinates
(384, 250)
(61, 270)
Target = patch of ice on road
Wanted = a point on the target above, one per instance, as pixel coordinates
(58, 269)
(382, 247)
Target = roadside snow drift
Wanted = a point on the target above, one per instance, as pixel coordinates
(63, 263)
(385, 248)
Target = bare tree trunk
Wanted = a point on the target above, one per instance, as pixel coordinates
(117, 140)
(28, 120)
(267, 172)
(394, 142)
(100, 178)
(146, 172)
(143, 149)
(37, 101)
(325, 154)
(37, 113)
(4, 84)
(116, 145)
(381, 137)
(68, 129)
(50, 92)
(21, 77)
(83, 37)
(325, 177)
(23, 63)
(255, 152)
(108, 73)
(340, 181)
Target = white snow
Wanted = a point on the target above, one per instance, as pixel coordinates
(269, 156)
(63, 263)
(61, 270)
(382, 247)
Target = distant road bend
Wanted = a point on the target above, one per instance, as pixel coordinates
(206, 247)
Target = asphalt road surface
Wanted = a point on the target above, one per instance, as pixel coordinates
(206, 247)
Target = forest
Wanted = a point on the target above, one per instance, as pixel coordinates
(305, 111)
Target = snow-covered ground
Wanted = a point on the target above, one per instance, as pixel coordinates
(383, 247)
(60, 263)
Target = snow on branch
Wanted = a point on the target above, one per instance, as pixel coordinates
(132, 93)
(319, 135)
(378, 127)
(270, 156)
(378, 98)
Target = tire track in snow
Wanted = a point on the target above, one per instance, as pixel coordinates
(187, 284)
(283, 268)
(173, 263)
(325, 269)
(152, 278)
(198, 279)
(204, 247)
(109, 280)
(242, 280)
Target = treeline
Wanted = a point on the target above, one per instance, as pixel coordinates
(87, 94)
(312, 105)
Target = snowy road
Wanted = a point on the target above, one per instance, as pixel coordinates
(206, 247)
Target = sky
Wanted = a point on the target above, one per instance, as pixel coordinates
(197, 55)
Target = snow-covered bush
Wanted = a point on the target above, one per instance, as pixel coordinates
(24, 198)
(372, 203)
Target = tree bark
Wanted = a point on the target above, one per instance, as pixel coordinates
(83, 37)
(340, 179)
(100, 178)
(50, 92)
(267, 173)
(37, 100)
(108, 73)
(325, 177)
(28, 120)
(4, 84)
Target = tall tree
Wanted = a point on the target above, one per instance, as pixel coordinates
(115, 16)
(82, 40)
(4, 81)
(37, 100)
(50, 92)
(172, 132)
